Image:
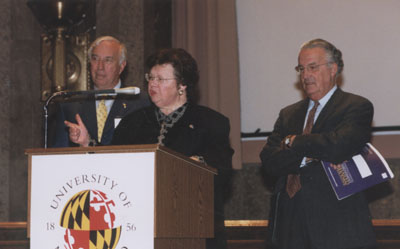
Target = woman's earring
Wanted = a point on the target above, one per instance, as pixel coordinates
(180, 91)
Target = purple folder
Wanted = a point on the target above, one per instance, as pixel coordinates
(359, 173)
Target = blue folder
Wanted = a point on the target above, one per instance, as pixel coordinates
(359, 173)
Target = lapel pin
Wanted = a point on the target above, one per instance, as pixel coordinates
(124, 105)
(191, 126)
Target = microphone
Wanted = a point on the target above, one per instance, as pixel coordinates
(132, 90)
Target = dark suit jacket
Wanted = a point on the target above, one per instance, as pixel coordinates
(341, 130)
(86, 108)
(200, 131)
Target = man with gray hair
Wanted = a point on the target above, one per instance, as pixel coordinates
(98, 114)
(329, 125)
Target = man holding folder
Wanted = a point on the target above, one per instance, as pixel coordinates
(329, 125)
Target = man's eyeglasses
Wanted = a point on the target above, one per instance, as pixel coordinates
(150, 78)
(107, 60)
(309, 68)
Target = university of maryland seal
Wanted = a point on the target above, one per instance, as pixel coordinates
(89, 220)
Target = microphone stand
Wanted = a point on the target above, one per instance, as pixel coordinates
(46, 115)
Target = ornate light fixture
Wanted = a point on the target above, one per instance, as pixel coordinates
(67, 25)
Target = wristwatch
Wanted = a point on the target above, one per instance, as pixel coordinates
(287, 141)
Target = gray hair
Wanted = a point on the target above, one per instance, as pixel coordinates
(122, 48)
(333, 54)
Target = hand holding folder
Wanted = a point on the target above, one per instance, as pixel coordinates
(359, 173)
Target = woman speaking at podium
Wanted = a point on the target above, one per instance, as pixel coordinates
(175, 121)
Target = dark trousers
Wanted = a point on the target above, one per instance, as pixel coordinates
(298, 235)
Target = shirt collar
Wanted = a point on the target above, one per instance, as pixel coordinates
(324, 100)
(112, 95)
(117, 86)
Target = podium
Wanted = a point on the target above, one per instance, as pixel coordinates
(137, 196)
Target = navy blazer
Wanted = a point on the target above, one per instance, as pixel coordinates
(86, 108)
(340, 131)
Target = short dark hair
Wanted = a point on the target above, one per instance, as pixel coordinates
(185, 67)
(334, 54)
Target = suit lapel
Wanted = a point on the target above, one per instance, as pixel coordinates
(299, 118)
(119, 108)
(114, 112)
(328, 109)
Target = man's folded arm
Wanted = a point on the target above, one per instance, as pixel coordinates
(349, 136)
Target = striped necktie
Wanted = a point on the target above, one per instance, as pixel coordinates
(101, 113)
(293, 184)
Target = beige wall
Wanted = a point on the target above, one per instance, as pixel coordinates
(270, 35)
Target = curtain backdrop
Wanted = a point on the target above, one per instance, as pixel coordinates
(207, 29)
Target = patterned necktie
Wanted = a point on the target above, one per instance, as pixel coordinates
(293, 184)
(101, 113)
(310, 119)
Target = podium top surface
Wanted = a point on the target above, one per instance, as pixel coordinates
(95, 149)
(116, 149)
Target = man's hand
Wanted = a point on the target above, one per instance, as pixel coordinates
(198, 159)
(287, 142)
(78, 132)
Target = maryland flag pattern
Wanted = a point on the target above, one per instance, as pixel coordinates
(76, 214)
(104, 238)
(89, 221)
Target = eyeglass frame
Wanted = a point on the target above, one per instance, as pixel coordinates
(309, 68)
(107, 60)
(158, 80)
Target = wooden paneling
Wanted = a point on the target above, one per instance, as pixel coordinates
(179, 243)
(180, 213)
(252, 234)
(242, 234)
(13, 235)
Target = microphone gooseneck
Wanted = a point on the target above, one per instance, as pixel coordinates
(132, 90)
(46, 114)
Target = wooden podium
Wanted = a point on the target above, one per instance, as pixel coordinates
(151, 197)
